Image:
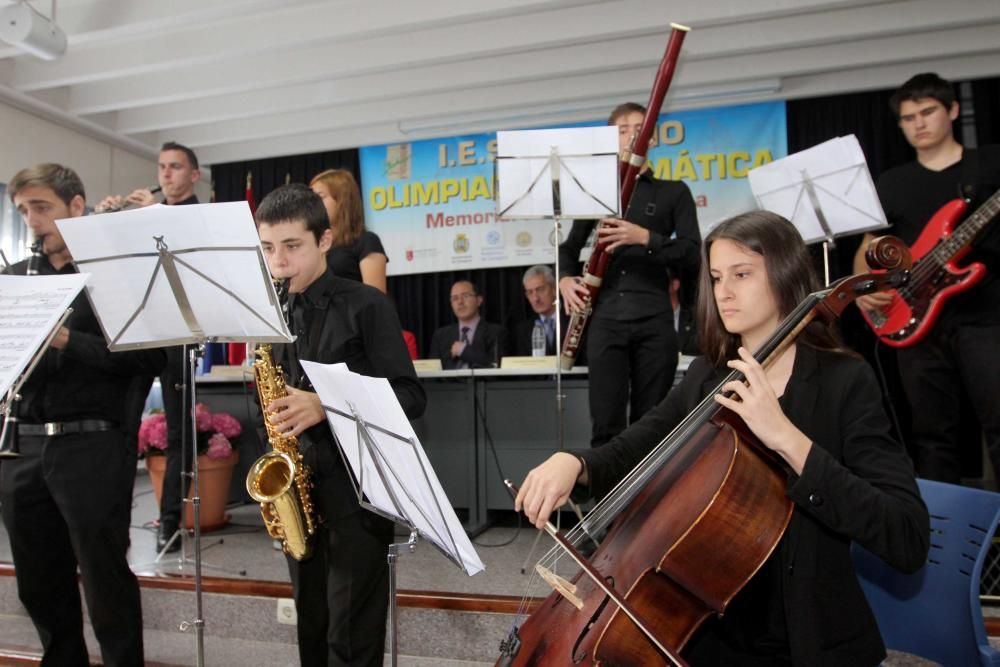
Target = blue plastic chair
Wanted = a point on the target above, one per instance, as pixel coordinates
(936, 613)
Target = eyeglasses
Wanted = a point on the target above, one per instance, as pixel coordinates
(463, 296)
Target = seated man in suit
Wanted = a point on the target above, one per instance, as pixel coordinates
(540, 290)
(473, 342)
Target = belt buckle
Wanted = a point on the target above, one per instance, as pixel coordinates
(53, 428)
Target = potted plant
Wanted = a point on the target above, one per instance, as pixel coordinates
(216, 458)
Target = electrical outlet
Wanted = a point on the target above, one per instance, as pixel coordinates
(286, 612)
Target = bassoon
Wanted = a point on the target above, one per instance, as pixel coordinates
(630, 164)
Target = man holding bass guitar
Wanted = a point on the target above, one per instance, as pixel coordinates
(955, 358)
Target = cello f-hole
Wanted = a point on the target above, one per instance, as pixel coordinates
(578, 656)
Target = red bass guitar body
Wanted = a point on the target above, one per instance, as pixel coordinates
(935, 278)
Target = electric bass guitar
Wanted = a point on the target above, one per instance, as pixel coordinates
(935, 276)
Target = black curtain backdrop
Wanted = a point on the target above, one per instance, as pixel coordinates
(986, 104)
(422, 299)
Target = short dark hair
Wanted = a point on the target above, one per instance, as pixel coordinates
(289, 203)
(626, 108)
(61, 180)
(475, 288)
(174, 146)
(921, 87)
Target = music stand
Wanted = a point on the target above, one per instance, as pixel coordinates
(826, 191)
(589, 157)
(391, 473)
(178, 275)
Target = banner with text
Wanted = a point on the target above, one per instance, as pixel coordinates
(431, 201)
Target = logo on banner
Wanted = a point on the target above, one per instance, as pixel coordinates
(494, 239)
(523, 239)
(409, 254)
(461, 243)
(552, 237)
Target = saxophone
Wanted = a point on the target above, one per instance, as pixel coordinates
(279, 480)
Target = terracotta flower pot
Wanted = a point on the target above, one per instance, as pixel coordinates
(214, 477)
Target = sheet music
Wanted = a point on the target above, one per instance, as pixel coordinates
(408, 472)
(588, 176)
(30, 306)
(220, 267)
(841, 184)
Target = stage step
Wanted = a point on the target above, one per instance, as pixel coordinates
(242, 626)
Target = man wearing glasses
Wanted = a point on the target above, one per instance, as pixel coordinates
(472, 342)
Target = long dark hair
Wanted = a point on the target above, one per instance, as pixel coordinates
(790, 276)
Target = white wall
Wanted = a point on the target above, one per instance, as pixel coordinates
(105, 169)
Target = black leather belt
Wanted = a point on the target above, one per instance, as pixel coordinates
(63, 428)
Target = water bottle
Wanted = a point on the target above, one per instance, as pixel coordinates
(538, 340)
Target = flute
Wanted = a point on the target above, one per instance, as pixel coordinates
(125, 204)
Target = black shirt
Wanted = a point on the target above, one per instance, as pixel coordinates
(911, 194)
(345, 261)
(637, 281)
(342, 321)
(193, 199)
(84, 380)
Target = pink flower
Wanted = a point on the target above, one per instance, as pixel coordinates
(202, 418)
(153, 433)
(215, 432)
(219, 447)
(226, 424)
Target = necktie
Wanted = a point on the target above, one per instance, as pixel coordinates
(465, 335)
(550, 330)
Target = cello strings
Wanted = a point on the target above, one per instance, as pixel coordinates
(628, 488)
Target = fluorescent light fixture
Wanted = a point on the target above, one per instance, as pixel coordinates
(744, 88)
(548, 114)
(25, 28)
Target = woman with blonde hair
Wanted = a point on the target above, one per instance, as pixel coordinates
(356, 252)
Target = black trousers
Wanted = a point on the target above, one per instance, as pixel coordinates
(631, 366)
(172, 377)
(954, 363)
(342, 592)
(67, 502)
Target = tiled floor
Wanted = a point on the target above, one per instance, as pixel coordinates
(242, 549)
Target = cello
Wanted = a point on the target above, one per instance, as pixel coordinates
(694, 522)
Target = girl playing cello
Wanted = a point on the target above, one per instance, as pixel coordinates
(817, 407)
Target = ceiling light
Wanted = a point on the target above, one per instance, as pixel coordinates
(25, 28)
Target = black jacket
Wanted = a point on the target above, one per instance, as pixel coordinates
(488, 346)
(857, 485)
(637, 280)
